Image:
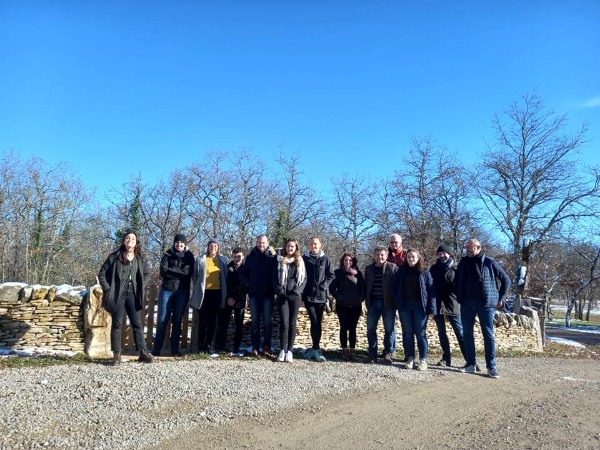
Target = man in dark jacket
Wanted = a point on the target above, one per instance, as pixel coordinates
(319, 274)
(257, 274)
(379, 277)
(443, 273)
(176, 267)
(237, 294)
(477, 291)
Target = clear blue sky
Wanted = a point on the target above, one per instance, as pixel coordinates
(120, 87)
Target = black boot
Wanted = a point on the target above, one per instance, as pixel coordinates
(145, 356)
(116, 359)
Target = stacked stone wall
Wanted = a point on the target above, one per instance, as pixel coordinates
(53, 318)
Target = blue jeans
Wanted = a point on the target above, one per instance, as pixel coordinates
(440, 321)
(468, 309)
(376, 310)
(261, 308)
(171, 306)
(414, 323)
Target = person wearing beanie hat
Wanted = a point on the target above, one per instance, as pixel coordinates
(210, 293)
(444, 248)
(448, 309)
(179, 238)
(176, 267)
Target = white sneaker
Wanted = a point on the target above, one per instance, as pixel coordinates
(289, 357)
(422, 365)
(410, 364)
(281, 357)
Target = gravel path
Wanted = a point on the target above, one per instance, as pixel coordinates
(137, 405)
(538, 403)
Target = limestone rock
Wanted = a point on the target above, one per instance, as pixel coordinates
(97, 323)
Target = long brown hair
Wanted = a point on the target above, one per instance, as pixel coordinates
(123, 250)
(296, 254)
(419, 265)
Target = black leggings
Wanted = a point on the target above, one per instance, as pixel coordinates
(207, 318)
(315, 314)
(348, 321)
(288, 318)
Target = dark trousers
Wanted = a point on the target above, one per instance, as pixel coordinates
(348, 321)
(288, 318)
(440, 321)
(126, 303)
(315, 314)
(224, 319)
(207, 319)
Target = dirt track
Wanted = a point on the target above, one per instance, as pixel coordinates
(537, 403)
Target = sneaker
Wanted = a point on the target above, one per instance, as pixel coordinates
(469, 368)
(422, 365)
(372, 359)
(281, 357)
(477, 367)
(387, 359)
(493, 373)
(410, 363)
(310, 354)
(319, 356)
(442, 363)
(289, 357)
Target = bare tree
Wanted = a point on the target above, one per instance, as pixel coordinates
(529, 181)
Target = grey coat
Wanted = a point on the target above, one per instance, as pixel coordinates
(199, 280)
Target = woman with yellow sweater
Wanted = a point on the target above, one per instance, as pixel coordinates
(210, 292)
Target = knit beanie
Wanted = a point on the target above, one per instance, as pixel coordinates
(180, 238)
(444, 248)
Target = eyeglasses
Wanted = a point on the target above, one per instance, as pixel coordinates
(394, 242)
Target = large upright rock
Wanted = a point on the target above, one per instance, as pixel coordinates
(97, 325)
(535, 319)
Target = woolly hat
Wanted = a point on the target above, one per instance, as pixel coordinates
(180, 238)
(444, 248)
(213, 241)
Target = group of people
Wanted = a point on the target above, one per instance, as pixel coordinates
(397, 283)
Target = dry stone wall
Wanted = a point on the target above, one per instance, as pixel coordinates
(67, 318)
(50, 317)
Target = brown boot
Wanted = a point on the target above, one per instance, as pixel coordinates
(352, 355)
(116, 359)
(145, 356)
(345, 354)
(267, 352)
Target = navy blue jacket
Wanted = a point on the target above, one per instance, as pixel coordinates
(491, 274)
(257, 273)
(426, 287)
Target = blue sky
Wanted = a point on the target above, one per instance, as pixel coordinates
(117, 88)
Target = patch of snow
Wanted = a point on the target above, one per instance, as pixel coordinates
(565, 341)
(33, 351)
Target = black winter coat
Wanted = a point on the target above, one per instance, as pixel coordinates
(319, 275)
(176, 271)
(348, 290)
(111, 284)
(235, 288)
(258, 273)
(445, 291)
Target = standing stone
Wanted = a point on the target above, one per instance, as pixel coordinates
(97, 325)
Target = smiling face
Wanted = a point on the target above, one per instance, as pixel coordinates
(412, 258)
(315, 245)
(380, 257)
(262, 243)
(213, 248)
(395, 242)
(347, 262)
(290, 248)
(130, 240)
(179, 246)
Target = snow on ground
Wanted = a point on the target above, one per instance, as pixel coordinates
(33, 351)
(562, 341)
